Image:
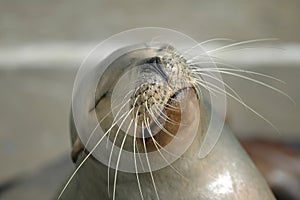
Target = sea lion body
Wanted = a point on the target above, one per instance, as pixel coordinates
(225, 173)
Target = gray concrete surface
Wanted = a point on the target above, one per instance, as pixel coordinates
(43, 184)
(93, 20)
(35, 106)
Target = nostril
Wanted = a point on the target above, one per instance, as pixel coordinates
(156, 63)
(154, 59)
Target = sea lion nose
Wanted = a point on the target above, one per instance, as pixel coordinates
(156, 63)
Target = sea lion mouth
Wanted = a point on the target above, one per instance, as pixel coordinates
(162, 131)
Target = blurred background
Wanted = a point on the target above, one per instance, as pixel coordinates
(42, 44)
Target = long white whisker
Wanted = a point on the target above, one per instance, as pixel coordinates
(234, 70)
(207, 53)
(244, 48)
(214, 88)
(247, 106)
(125, 96)
(225, 84)
(138, 151)
(177, 156)
(68, 182)
(164, 116)
(211, 57)
(258, 82)
(112, 148)
(241, 43)
(88, 155)
(91, 135)
(134, 146)
(158, 123)
(198, 82)
(169, 105)
(118, 160)
(205, 42)
(117, 115)
(228, 71)
(172, 154)
(155, 144)
(150, 170)
(153, 39)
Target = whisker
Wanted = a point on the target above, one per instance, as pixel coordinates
(134, 155)
(169, 105)
(164, 116)
(153, 39)
(211, 89)
(198, 82)
(211, 57)
(245, 48)
(91, 135)
(207, 53)
(172, 154)
(112, 149)
(205, 42)
(125, 96)
(168, 47)
(126, 103)
(236, 70)
(128, 93)
(175, 100)
(138, 151)
(159, 124)
(247, 106)
(87, 156)
(155, 144)
(242, 43)
(260, 83)
(100, 123)
(228, 71)
(150, 170)
(225, 84)
(118, 160)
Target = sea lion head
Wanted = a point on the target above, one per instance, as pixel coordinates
(145, 127)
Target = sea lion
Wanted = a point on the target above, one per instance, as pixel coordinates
(153, 119)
